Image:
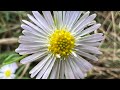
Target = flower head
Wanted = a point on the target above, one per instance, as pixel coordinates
(62, 41)
(7, 71)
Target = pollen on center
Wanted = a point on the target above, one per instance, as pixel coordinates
(7, 73)
(61, 42)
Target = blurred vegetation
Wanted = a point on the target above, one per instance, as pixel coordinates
(108, 66)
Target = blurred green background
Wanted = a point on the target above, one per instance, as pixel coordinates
(108, 66)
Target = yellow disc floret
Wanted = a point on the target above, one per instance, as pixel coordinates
(7, 73)
(61, 42)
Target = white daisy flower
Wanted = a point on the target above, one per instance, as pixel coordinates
(7, 71)
(63, 42)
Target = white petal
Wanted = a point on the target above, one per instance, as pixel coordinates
(43, 70)
(85, 23)
(67, 17)
(84, 64)
(74, 54)
(54, 70)
(13, 67)
(33, 26)
(75, 16)
(92, 57)
(90, 29)
(58, 70)
(49, 18)
(30, 51)
(47, 73)
(28, 33)
(77, 72)
(41, 20)
(32, 46)
(80, 21)
(40, 64)
(12, 76)
(68, 71)
(35, 72)
(32, 30)
(60, 19)
(91, 37)
(62, 69)
(63, 18)
(42, 30)
(1, 75)
(30, 39)
(89, 49)
(38, 68)
(33, 57)
(94, 44)
(4, 68)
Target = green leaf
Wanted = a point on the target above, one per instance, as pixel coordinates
(13, 58)
(20, 70)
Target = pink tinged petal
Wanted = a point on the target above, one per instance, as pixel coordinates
(79, 22)
(33, 57)
(41, 20)
(92, 57)
(42, 30)
(43, 70)
(47, 73)
(40, 65)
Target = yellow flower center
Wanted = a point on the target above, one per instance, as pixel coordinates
(61, 43)
(7, 73)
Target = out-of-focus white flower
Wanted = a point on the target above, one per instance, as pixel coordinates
(62, 42)
(7, 71)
